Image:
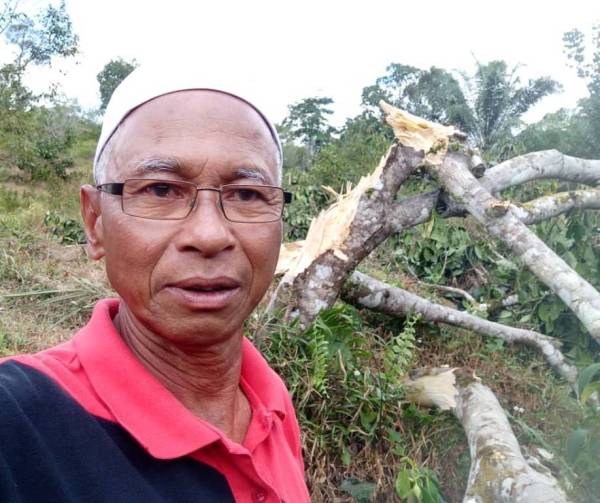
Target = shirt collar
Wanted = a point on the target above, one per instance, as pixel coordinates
(144, 407)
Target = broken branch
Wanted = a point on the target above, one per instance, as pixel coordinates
(553, 205)
(499, 471)
(364, 291)
(500, 220)
(539, 165)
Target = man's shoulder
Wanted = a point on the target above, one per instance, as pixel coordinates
(24, 392)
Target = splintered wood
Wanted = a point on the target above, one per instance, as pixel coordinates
(419, 134)
(331, 228)
(328, 230)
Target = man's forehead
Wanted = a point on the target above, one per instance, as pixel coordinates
(202, 109)
(181, 133)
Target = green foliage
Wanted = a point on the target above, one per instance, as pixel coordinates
(498, 102)
(582, 445)
(346, 381)
(307, 121)
(66, 230)
(434, 94)
(359, 148)
(11, 200)
(308, 201)
(295, 158)
(588, 70)
(362, 492)
(445, 252)
(574, 239)
(36, 139)
(41, 39)
(415, 483)
(564, 130)
(585, 384)
(111, 76)
(440, 251)
(488, 105)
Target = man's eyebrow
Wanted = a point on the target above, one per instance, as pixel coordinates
(252, 174)
(157, 165)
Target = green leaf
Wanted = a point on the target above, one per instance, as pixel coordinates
(417, 491)
(428, 228)
(403, 484)
(346, 457)
(586, 376)
(595, 448)
(575, 443)
(588, 390)
(394, 436)
(360, 491)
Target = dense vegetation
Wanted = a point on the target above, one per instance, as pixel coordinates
(361, 436)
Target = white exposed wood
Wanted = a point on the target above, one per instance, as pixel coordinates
(339, 238)
(432, 387)
(420, 134)
(365, 291)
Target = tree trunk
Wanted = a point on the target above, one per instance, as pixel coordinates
(499, 472)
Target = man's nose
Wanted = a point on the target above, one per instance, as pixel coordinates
(206, 229)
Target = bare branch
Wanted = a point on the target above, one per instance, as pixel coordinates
(553, 205)
(539, 165)
(412, 211)
(458, 291)
(365, 291)
(500, 220)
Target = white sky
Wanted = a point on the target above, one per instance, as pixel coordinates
(283, 51)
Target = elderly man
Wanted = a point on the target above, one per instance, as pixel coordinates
(160, 397)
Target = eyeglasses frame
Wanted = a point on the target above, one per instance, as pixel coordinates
(116, 189)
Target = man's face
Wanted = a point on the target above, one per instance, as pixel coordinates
(194, 280)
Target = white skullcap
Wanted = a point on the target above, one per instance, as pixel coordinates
(148, 82)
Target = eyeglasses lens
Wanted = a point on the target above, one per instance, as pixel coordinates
(172, 200)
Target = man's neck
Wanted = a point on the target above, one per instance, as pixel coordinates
(206, 380)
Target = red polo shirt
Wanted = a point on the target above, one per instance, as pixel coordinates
(99, 371)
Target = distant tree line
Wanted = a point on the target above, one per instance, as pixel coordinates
(488, 105)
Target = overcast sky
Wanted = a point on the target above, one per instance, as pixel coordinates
(282, 51)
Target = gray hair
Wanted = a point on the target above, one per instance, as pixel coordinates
(101, 166)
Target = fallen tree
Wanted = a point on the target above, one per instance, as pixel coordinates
(322, 268)
(499, 471)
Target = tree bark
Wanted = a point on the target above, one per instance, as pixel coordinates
(500, 220)
(340, 238)
(364, 291)
(499, 472)
(539, 165)
(553, 205)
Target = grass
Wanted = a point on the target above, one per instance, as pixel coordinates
(359, 433)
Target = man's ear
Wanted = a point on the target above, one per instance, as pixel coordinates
(89, 199)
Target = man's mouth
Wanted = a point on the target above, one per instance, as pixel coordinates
(205, 293)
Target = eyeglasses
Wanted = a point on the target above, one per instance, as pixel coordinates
(174, 200)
